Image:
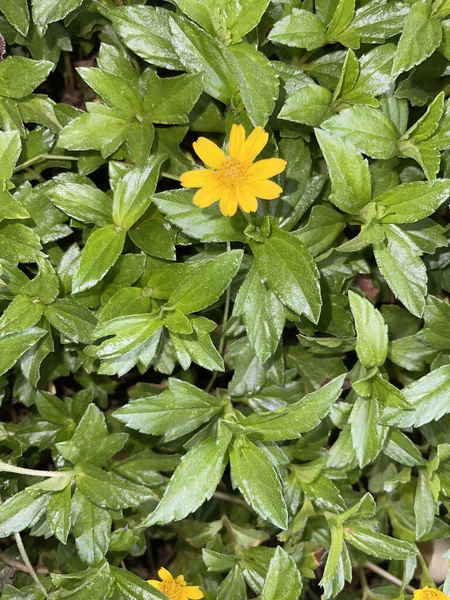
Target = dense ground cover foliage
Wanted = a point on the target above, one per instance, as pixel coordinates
(225, 278)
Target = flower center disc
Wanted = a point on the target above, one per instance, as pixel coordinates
(172, 589)
(232, 173)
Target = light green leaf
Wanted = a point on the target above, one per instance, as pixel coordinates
(17, 13)
(256, 81)
(102, 250)
(10, 148)
(370, 130)
(378, 544)
(410, 202)
(178, 410)
(132, 587)
(180, 95)
(421, 35)
(372, 336)
(21, 510)
(290, 272)
(132, 194)
(59, 512)
(299, 417)
(400, 264)
(91, 529)
(349, 173)
(283, 580)
(300, 29)
(191, 295)
(49, 11)
(195, 480)
(83, 202)
(367, 435)
(257, 480)
(14, 345)
(309, 105)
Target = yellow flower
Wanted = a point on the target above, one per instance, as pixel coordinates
(235, 179)
(428, 593)
(176, 588)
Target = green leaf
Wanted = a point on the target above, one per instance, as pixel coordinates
(17, 13)
(323, 227)
(378, 544)
(257, 480)
(178, 410)
(309, 105)
(90, 441)
(14, 345)
(107, 489)
(233, 586)
(21, 510)
(283, 581)
(372, 335)
(411, 202)
(370, 130)
(201, 53)
(132, 194)
(101, 128)
(342, 17)
(299, 417)
(49, 11)
(180, 95)
(195, 480)
(349, 173)
(91, 529)
(72, 319)
(436, 332)
(367, 435)
(83, 202)
(21, 314)
(132, 587)
(334, 555)
(10, 148)
(146, 31)
(290, 272)
(114, 91)
(256, 81)
(206, 225)
(20, 76)
(155, 238)
(59, 512)
(192, 296)
(92, 584)
(424, 504)
(400, 265)
(262, 314)
(301, 29)
(101, 252)
(376, 22)
(197, 347)
(421, 35)
(427, 395)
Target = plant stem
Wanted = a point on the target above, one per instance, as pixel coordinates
(17, 565)
(6, 467)
(41, 158)
(169, 176)
(26, 560)
(395, 580)
(229, 498)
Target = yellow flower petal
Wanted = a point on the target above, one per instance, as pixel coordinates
(208, 195)
(156, 584)
(264, 169)
(209, 152)
(254, 144)
(193, 592)
(198, 178)
(180, 580)
(428, 593)
(236, 143)
(247, 199)
(266, 190)
(164, 574)
(229, 202)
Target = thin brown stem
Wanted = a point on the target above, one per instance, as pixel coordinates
(17, 565)
(26, 560)
(229, 498)
(386, 575)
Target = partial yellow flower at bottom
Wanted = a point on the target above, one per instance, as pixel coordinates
(428, 593)
(235, 179)
(175, 587)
